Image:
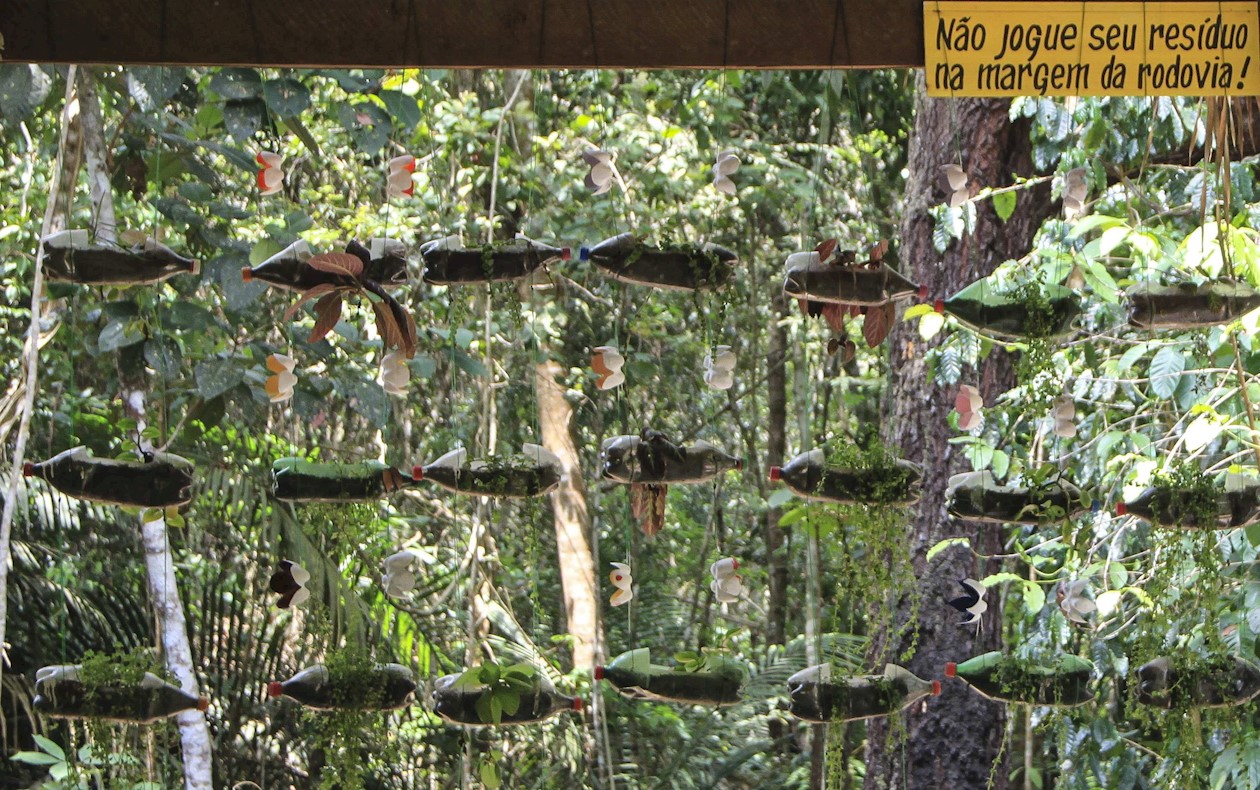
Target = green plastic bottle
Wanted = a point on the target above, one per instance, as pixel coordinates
(165, 481)
(1061, 683)
(60, 693)
(299, 480)
(717, 682)
(820, 695)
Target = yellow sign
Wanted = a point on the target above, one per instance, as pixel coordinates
(1091, 49)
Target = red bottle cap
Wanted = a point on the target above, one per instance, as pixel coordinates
(28, 469)
(951, 669)
(776, 472)
(203, 704)
(739, 465)
(939, 305)
(1121, 508)
(247, 274)
(566, 254)
(734, 564)
(577, 703)
(599, 673)
(275, 689)
(417, 472)
(936, 688)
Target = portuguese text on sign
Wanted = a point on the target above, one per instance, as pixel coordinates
(1091, 49)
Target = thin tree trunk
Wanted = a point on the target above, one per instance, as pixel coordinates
(776, 450)
(956, 742)
(572, 518)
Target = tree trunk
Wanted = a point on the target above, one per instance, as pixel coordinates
(573, 520)
(957, 740)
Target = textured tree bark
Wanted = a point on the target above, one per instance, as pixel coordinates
(776, 449)
(572, 519)
(956, 741)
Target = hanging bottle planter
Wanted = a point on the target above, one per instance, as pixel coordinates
(1217, 683)
(490, 695)
(289, 270)
(533, 472)
(1061, 683)
(447, 262)
(61, 692)
(299, 480)
(843, 281)
(1187, 306)
(979, 497)
(378, 687)
(819, 695)
(1200, 505)
(652, 458)
(165, 481)
(713, 680)
(1030, 312)
(68, 257)
(810, 476)
(680, 267)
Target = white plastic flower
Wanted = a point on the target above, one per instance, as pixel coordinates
(719, 365)
(968, 405)
(727, 586)
(1064, 414)
(279, 386)
(399, 181)
(723, 168)
(1073, 600)
(607, 362)
(954, 180)
(399, 579)
(603, 172)
(394, 373)
(623, 581)
(1075, 191)
(271, 176)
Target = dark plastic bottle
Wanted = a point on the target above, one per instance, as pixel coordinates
(289, 270)
(977, 496)
(385, 687)
(459, 705)
(684, 267)
(1189, 307)
(809, 476)
(1001, 317)
(446, 262)
(68, 258)
(819, 695)
(166, 481)
(1064, 683)
(1238, 505)
(856, 284)
(634, 675)
(61, 694)
(694, 463)
(299, 480)
(537, 474)
(1227, 681)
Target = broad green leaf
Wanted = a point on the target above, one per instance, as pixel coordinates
(116, 335)
(780, 497)
(930, 325)
(1118, 575)
(1202, 431)
(237, 83)
(36, 758)
(1034, 597)
(917, 310)
(49, 746)
(945, 544)
(23, 88)
(286, 96)
(1004, 204)
(1165, 371)
(792, 516)
(489, 774)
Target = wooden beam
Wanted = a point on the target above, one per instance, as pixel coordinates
(468, 33)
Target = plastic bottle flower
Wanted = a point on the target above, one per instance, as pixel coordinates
(603, 172)
(270, 177)
(399, 579)
(607, 362)
(954, 180)
(719, 365)
(727, 586)
(971, 603)
(279, 385)
(623, 581)
(1073, 600)
(968, 405)
(399, 181)
(1064, 414)
(723, 168)
(1075, 191)
(394, 373)
(289, 582)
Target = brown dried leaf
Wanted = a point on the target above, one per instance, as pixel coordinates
(879, 250)
(313, 293)
(327, 314)
(834, 315)
(825, 249)
(647, 503)
(337, 263)
(386, 326)
(878, 323)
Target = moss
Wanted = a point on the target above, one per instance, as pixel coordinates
(1192, 498)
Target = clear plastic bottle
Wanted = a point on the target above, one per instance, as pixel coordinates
(383, 687)
(165, 481)
(1187, 306)
(1001, 316)
(682, 267)
(299, 480)
(978, 496)
(69, 258)
(809, 476)
(535, 472)
(717, 683)
(60, 693)
(458, 704)
(1238, 505)
(289, 270)
(631, 459)
(1224, 682)
(448, 262)
(854, 284)
(819, 695)
(1062, 683)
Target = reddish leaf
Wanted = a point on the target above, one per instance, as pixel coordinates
(878, 323)
(834, 315)
(386, 326)
(327, 314)
(879, 251)
(337, 263)
(647, 503)
(825, 249)
(317, 291)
